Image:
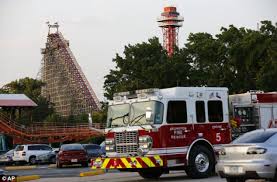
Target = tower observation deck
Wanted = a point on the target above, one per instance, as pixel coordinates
(65, 84)
(170, 21)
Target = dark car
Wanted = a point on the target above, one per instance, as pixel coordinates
(93, 150)
(72, 154)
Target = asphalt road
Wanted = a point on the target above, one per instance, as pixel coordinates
(72, 174)
(45, 172)
(131, 177)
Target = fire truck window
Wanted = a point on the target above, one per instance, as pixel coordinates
(200, 111)
(177, 112)
(215, 111)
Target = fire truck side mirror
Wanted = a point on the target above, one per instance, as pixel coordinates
(148, 114)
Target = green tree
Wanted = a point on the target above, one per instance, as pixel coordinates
(147, 65)
(238, 58)
(32, 89)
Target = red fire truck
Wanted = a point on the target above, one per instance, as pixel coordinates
(153, 131)
(254, 109)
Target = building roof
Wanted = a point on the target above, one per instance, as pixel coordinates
(12, 100)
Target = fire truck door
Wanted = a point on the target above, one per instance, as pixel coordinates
(178, 131)
(268, 116)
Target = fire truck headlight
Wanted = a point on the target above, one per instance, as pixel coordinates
(109, 141)
(145, 139)
(144, 146)
(109, 148)
(145, 142)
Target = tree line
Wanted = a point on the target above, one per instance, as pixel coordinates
(238, 58)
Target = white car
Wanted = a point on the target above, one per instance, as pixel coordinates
(251, 156)
(29, 153)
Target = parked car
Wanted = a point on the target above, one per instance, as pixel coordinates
(93, 150)
(29, 153)
(251, 156)
(7, 158)
(72, 154)
(49, 157)
(2, 172)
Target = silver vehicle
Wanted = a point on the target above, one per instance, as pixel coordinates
(7, 157)
(251, 156)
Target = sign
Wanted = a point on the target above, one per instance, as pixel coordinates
(8, 178)
(178, 132)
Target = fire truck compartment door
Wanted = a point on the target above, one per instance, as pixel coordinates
(268, 116)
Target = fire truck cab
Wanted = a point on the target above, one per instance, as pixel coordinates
(152, 131)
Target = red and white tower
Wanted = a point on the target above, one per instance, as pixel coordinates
(170, 21)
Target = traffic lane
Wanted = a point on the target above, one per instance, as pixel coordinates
(132, 177)
(46, 172)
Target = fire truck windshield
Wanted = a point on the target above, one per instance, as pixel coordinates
(118, 115)
(138, 110)
(134, 114)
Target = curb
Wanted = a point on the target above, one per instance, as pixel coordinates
(92, 173)
(27, 178)
(19, 167)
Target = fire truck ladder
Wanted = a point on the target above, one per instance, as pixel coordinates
(47, 132)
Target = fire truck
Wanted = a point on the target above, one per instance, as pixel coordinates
(153, 131)
(254, 109)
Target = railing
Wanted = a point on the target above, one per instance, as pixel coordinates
(50, 129)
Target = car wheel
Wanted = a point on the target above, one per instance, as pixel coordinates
(32, 160)
(235, 180)
(201, 162)
(151, 173)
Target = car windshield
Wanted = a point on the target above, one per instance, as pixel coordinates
(10, 152)
(19, 148)
(72, 147)
(260, 136)
(92, 147)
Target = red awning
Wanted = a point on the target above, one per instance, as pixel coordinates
(13, 100)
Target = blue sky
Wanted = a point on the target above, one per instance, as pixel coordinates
(98, 29)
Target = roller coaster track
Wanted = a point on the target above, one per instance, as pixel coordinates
(47, 132)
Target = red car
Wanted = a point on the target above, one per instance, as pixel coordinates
(72, 154)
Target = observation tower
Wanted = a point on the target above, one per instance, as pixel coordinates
(170, 21)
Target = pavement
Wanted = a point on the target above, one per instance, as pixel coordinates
(131, 177)
(49, 173)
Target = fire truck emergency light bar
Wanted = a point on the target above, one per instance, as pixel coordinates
(138, 93)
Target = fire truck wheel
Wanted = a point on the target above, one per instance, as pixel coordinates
(151, 173)
(201, 162)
